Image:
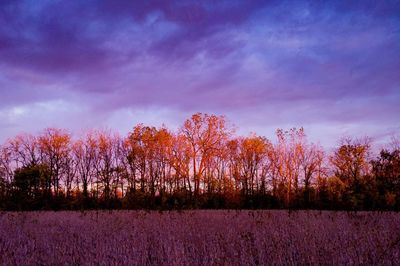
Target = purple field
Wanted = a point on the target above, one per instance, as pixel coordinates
(199, 238)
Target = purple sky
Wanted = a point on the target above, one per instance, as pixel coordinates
(332, 68)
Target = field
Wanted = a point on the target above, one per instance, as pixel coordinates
(199, 238)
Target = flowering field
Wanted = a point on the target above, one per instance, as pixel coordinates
(199, 238)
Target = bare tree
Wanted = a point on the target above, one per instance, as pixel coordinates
(24, 150)
(84, 151)
(106, 158)
(288, 159)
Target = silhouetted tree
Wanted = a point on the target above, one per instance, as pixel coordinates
(351, 165)
(29, 185)
(202, 165)
(386, 170)
(55, 147)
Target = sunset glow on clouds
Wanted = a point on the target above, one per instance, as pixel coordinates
(332, 68)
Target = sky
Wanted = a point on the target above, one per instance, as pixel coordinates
(331, 67)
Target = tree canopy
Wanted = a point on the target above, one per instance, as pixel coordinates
(201, 165)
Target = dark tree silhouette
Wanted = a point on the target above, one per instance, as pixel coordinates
(202, 165)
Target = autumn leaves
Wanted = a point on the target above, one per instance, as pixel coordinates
(201, 162)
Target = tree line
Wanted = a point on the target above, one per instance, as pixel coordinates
(201, 165)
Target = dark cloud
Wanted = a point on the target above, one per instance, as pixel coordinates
(304, 62)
